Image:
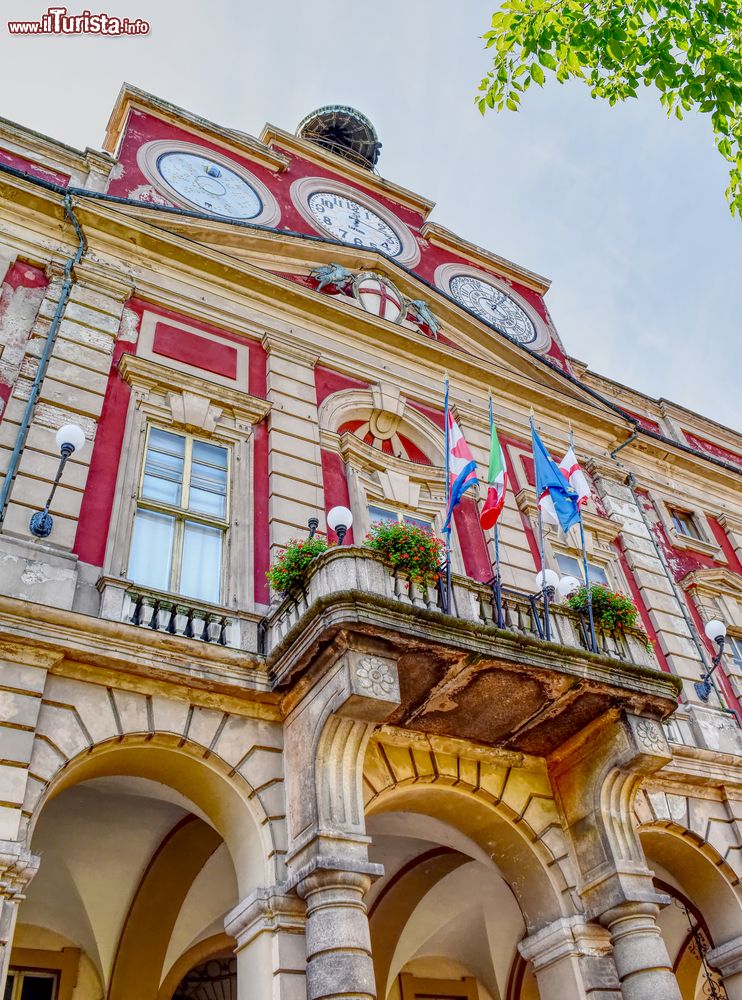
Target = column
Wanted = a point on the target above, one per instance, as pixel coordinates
(271, 957)
(572, 958)
(595, 775)
(642, 962)
(17, 867)
(727, 960)
(353, 687)
(339, 964)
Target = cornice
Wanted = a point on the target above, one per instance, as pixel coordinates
(364, 456)
(149, 375)
(237, 142)
(440, 236)
(272, 135)
(60, 157)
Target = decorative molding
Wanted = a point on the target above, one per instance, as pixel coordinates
(148, 376)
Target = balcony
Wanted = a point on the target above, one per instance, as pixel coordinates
(461, 675)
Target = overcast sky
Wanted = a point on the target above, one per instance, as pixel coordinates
(620, 207)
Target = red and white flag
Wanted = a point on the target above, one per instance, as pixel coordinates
(572, 472)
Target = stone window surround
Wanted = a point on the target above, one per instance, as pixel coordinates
(375, 478)
(186, 404)
(706, 544)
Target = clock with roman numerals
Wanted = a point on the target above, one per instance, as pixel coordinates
(351, 222)
(351, 216)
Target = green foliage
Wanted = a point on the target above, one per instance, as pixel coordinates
(689, 50)
(407, 547)
(290, 567)
(612, 612)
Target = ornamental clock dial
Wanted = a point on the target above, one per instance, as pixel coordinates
(351, 222)
(209, 184)
(494, 307)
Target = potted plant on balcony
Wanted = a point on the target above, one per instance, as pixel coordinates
(289, 569)
(613, 613)
(408, 549)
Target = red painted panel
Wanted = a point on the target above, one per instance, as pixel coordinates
(715, 450)
(336, 488)
(35, 169)
(20, 276)
(471, 541)
(327, 381)
(97, 500)
(257, 377)
(261, 531)
(436, 417)
(210, 356)
(23, 275)
(645, 422)
(641, 606)
(726, 546)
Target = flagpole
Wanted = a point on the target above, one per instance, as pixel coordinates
(498, 585)
(448, 501)
(544, 592)
(586, 571)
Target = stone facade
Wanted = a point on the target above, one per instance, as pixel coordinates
(352, 791)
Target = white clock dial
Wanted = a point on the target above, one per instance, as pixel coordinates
(209, 184)
(351, 222)
(494, 307)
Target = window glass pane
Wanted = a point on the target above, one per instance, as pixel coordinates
(9, 984)
(380, 514)
(598, 575)
(684, 523)
(417, 521)
(208, 492)
(151, 556)
(37, 986)
(734, 647)
(569, 566)
(202, 562)
(163, 467)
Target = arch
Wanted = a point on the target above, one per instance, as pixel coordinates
(219, 793)
(149, 924)
(213, 947)
(520, 853)
(707, 880)
(358, 404)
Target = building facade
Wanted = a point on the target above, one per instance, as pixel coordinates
(210, 790)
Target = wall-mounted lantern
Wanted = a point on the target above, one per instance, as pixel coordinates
(716, 631)
(70, 438)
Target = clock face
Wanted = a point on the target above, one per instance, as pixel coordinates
(209, 184)
(351, 222)
(494, 307)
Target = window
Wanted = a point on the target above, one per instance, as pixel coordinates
(388, 514)
(181, 520)
(571, 566)
(733, 647)
(684, 523)
(25, 984)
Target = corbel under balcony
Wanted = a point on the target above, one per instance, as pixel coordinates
(459, 674)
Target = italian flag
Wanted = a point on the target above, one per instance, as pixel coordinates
(498, 482)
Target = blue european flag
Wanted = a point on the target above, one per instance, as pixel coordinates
(549, 478)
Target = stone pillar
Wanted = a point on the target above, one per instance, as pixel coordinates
(727, 960)
(595, 776)
(339, 964)
(17, 867)
(269, 929)
(572, 958)
(332, 712)
(642, 962)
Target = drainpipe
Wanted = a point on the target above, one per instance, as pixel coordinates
(51, 338)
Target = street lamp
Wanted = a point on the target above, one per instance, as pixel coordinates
(567, 586)
(716, 632)
(70, 438)
(546, 582)
(339, 520)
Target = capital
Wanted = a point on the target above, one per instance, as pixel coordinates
(17, 867)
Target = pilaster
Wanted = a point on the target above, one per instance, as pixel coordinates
(572, 958)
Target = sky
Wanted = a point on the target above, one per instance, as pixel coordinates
(622, 208)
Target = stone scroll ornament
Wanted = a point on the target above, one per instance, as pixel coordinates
(373, 292)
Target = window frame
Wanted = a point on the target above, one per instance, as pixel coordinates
(20, 974)
(677, 516)
(182, 514)
(418, 988)
(64, 964)
(400, 512)
(592, 563)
